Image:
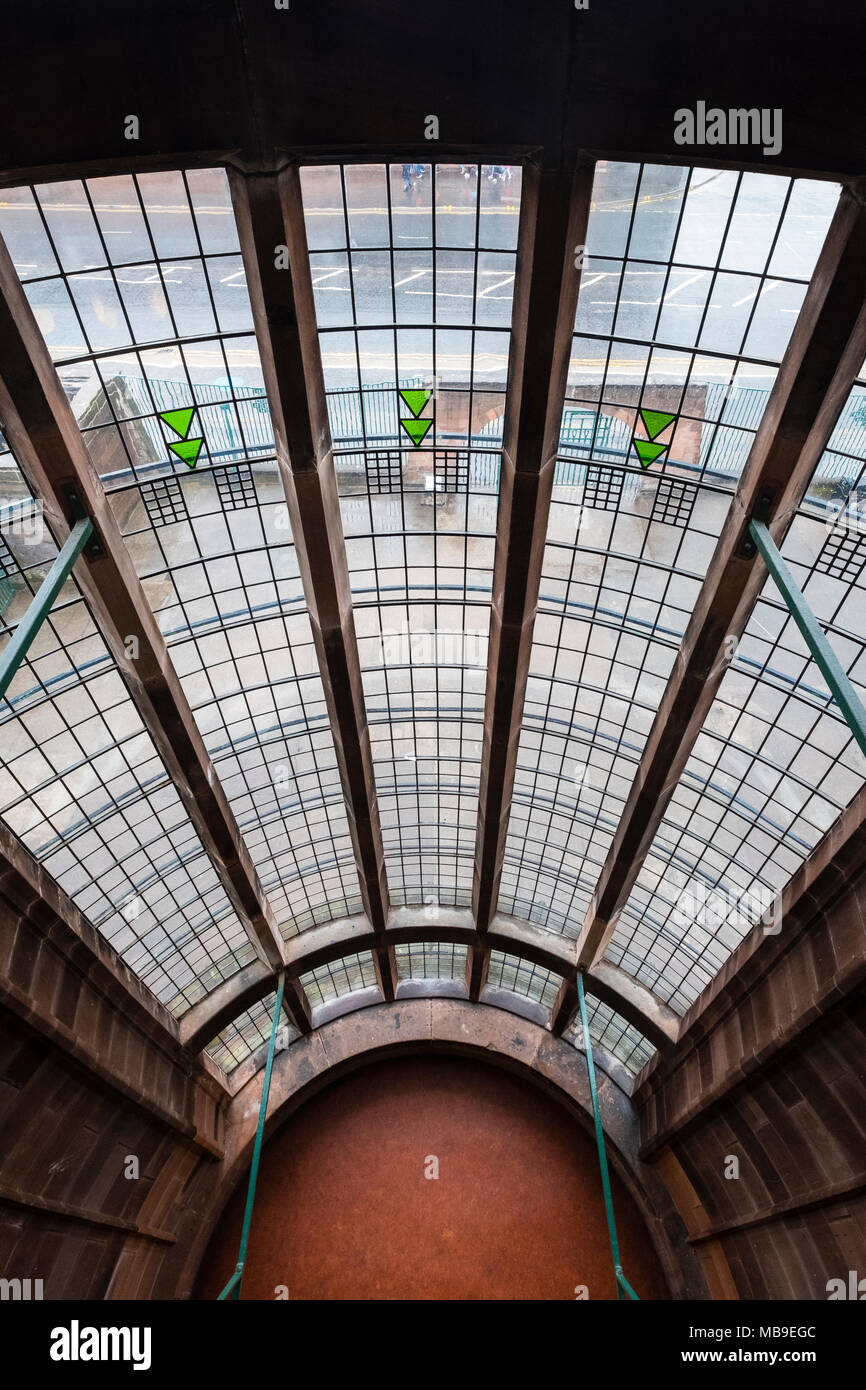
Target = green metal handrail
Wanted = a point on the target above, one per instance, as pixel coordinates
(815, 638)
(233, 1287)
(623, 1287)
(25, 633)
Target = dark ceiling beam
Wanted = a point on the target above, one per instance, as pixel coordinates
(554, 210)
(823, 358)
(320, 78)
(270, 215)
(658, 1022)
(45, 439)
(331, 941)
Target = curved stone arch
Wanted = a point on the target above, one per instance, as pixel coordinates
(439, 1025)
(332, 940)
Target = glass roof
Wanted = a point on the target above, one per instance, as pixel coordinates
(607, 1028)
(523, 977)
(413, 273)
(139, 289)
(85, 790)
(775, 762)
(247, 1033)
(689, 292)
(251, 1030)
(340, 977)
(691, 286)
(431, 960)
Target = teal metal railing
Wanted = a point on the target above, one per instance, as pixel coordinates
(40, 606)
(233, 1287)
(241, 428)
(623, 1287)
(826, 660)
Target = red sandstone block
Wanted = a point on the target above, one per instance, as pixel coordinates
(775, 997)
(86, 1025)
(76, 951)
(23, 960)
(746, 1021)
(38, 1255)
(817, 950)
(746, 1274)
(856, 1208)
(9, 924)
(724, 1046)
(64, 1280)
(48, 977)
(136, 1067)
(849, 949)
(769, 1266)
(794, 1281)
(66, 1000)
(846, 1234)
(830, 1262)
(118, 1047)
(709, 1148)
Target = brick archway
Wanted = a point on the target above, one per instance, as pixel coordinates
(430, 1026)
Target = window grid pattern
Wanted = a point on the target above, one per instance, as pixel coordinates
(384, 469)
(673, 502)
(774, 765)
(164, 501)
(8, 564)
(413, 290)
(26, 548)
(247, 1033)
(843, 556)
(523, 977)
(340, 977)
(143, 304)
(686, 314)
(146, 271)
(236, 625)
(235, 486)
(602, 489)
(84, 789)
(612, 1032)
(431, 960)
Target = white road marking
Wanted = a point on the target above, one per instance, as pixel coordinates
(766, 288)
(416, 274)
(498, 286)
(341, 270)
(599, 275)
(683, 285)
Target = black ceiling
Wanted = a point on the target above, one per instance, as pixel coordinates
(210, 79)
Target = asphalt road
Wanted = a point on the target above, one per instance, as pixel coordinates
(406, 279)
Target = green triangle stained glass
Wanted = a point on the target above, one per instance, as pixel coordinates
(416, 429)
(415, 400)
(178, 420)
(647, 451)
(188, 450)
(654, 421)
